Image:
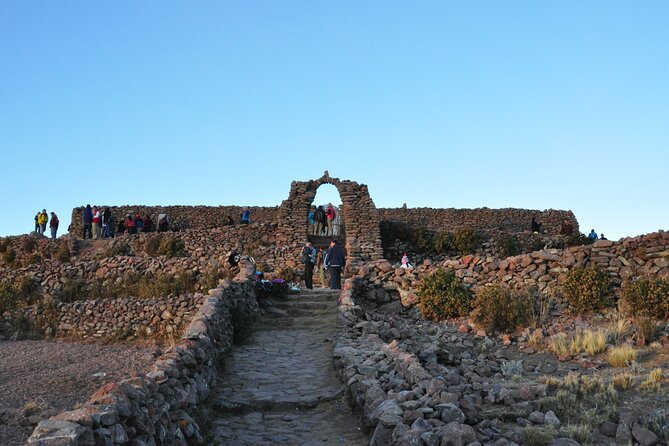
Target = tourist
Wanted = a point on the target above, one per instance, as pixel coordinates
(148, 224)
(233, 258)
(592, 235)
(601, 237)
(43, 219)
(53, 225)
(130, 227)
(120, 229)
(106, 223)
(321, 220)
(245, 216)
(536, 226)
(163, 222)
(310, 219)
(96, 222)
(335, 261)
(88, 222)
(139, 223)
(330, 214)
(405, 262)
(37, 222)
(320, 256)
(308, 259)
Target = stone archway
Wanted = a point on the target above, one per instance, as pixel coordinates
(363, 236)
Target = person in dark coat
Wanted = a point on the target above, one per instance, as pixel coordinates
(335, 262)
(88, 222)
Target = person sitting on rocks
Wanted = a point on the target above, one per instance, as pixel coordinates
(139, 223)
(601, 236)
(163, 222)
(148, 224)
(405, 262)
(536, 226)
(593, 234)
(245, 217)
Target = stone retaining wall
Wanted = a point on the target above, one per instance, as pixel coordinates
(490, 221)
(382, 282)
(157, 408)
(182, 217)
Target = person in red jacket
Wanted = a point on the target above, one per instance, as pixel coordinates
(97, 218)
(330, 214)
(53, 225)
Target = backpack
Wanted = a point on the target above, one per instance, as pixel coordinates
(308, 255)
(319, 215)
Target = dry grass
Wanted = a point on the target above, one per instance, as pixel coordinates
(588, 341)
(581, 432)
(654, 380)
(559, 344)
(622, 356)
(620, 329)
(536, 339)
(622, 381)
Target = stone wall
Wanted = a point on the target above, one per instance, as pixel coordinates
(123, 318)
(157, 408)
(491, 221)
(381, 282)
(182, 217)
(363, 237)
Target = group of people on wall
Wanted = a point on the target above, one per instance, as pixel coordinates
(323, 221)
(42, 218)
(101, 223)
(331, 260)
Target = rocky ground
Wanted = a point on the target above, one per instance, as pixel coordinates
(39, 379)
(420, 382)
(279, 387)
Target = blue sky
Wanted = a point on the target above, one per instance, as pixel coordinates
(536, 105)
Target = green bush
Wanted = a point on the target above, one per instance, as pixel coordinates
(443, 296)
(172, 247)
(498, 308)
(443, 242)
(467, 240)
(508, 246)
(587, 289)
(578, 239)
(647, 297)
(8, 297)
(9, 256)
(28, 244)
(423, 240)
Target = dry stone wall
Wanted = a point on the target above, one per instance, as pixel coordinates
(490, 221)
(182, 217)
(157, 408)
(624, 259)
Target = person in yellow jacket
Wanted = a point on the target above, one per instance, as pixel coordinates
(42, 219)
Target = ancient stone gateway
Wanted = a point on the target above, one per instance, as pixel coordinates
(363, 236)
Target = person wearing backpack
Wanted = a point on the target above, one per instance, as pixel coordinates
(330, 214)
(321, 220)
(308, 259)
(53, 225)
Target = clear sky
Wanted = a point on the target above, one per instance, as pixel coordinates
(464, 104)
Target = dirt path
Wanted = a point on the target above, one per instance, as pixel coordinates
(280, 387)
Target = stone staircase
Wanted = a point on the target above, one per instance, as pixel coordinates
(280, 386)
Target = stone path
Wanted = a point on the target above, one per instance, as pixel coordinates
(280, 387)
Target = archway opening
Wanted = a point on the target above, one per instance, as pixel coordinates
(322, 225)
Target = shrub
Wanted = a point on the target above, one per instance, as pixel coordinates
(540, 435)
(497, 308)
(63, 253)
(286, 273)
(508, 246)
(164, 285)
(467, 240)
(443, 242)
(581, 432)
(152, 245)
(117, 249)
(622, 381)
(654, 380)
(172, 247)
(423, 240)
(394, 230)
(442, 296)
(622, 356)
(647, 296)
(579, 239)
(9, 256)
(587, 289)
(588, 341)
(28, 244)
(8, 297)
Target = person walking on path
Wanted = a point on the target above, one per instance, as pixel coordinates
(330, 214)
(88, 222)
(308, 259)
(42, 219)
(320, 267)
(53, 225)
(335, 261)
(96, 223)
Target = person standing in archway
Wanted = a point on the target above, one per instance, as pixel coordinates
(335, 261)
(330, 214)
(309, 259)
(321, 220)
